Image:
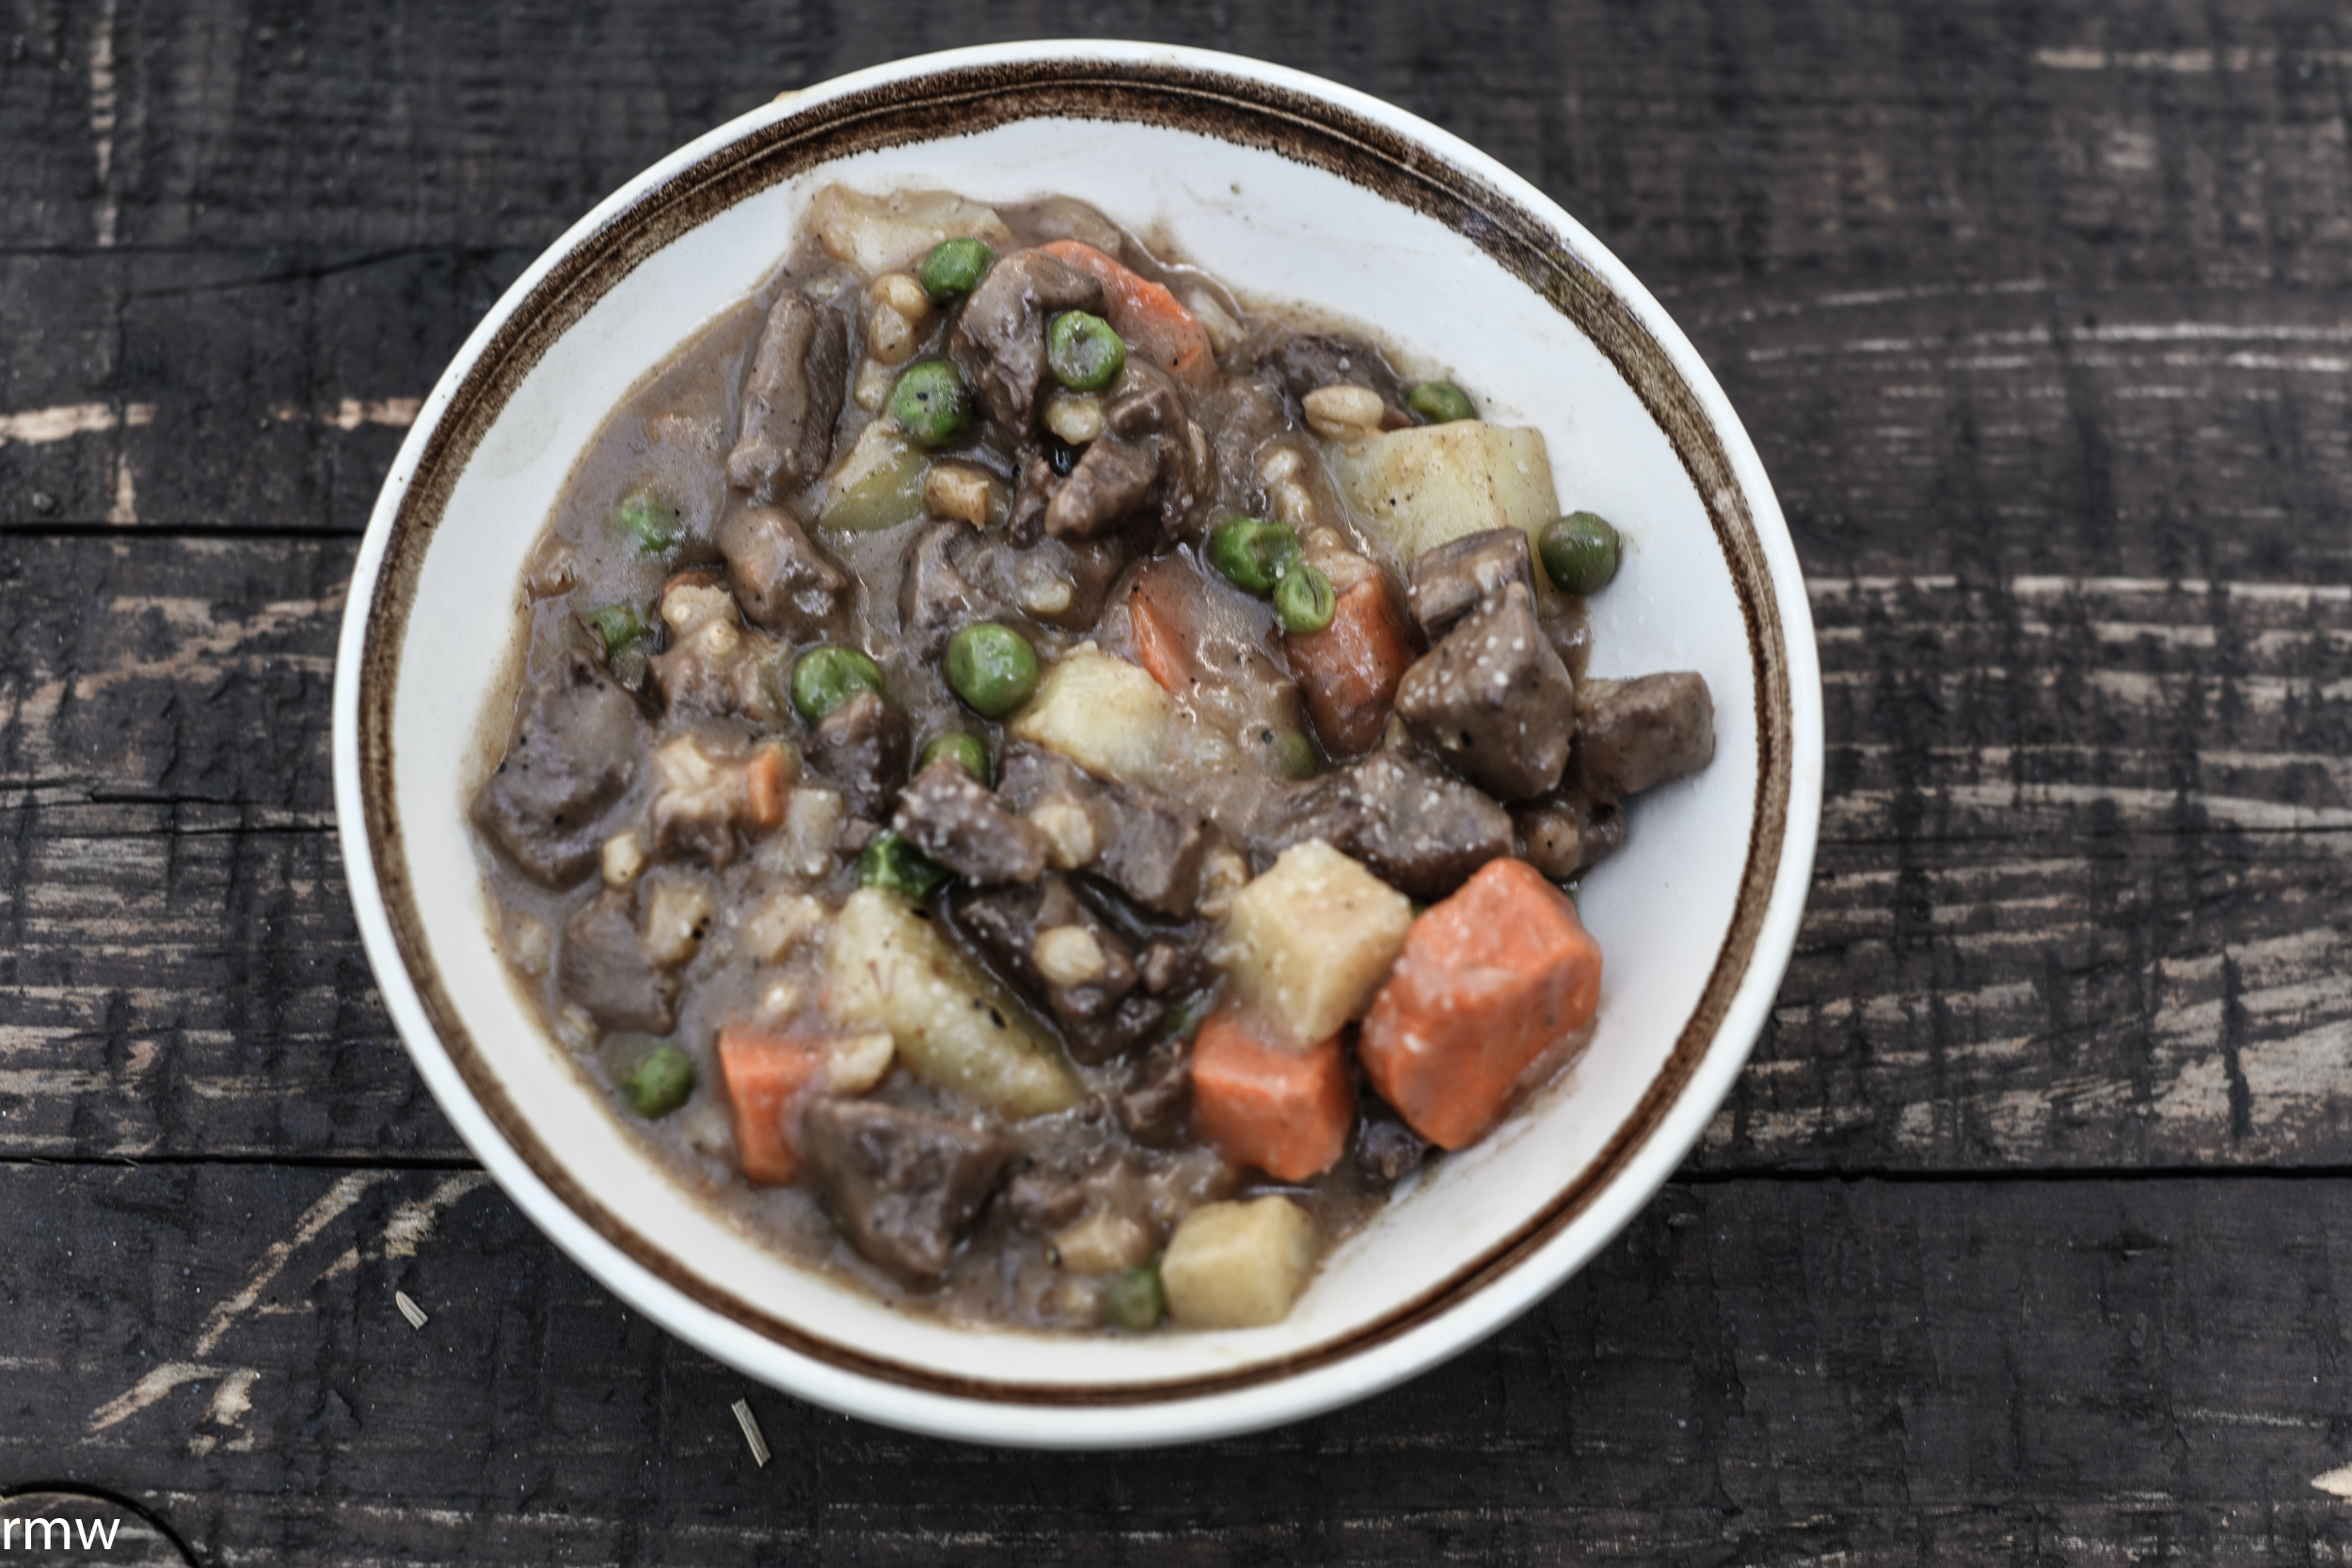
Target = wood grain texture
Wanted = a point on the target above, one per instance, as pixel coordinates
(1764, 1372)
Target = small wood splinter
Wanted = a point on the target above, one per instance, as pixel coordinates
(749, 1423)
(410, 1309)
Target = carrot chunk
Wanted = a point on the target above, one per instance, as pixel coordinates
(1285, 1112)
(1488, 981)
(766, 778)
(1348, 672)
(767, 1075)
(1146, 314)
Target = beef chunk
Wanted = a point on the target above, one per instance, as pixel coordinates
(1494, 700)
(1143, 452)
(861, 749)
(574, 751)
(1566, 832)
(937, 597)
(1024, 522)
(1062, 584)
(791, 399)
(1150, 847)
(1416, 829)
(1045, 1198)
(604, 968)
(955, 819)
(1466, 574)
(998, 340)
(1032, 934)
(903, 1186)
(1306, 360)
(1633, 734)
(782, 581)
(1156, 1101)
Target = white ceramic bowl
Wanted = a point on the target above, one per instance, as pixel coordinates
(1289, 189)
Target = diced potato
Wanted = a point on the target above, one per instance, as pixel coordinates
(891, 968)
(878, 485)
(1310, 941)
(1105, 1243)
(855, 1065)
(1430, 483)
(882, 233)
(1102, 713)
(1238, 1265)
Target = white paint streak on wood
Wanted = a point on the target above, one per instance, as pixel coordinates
(102, 118)
(39, 426)
(410, 1309)
(125, 508)
(331, 1205)
(232, 1402)
(412, 1223)
(2337, 1481)
(153, 1387)
(351, 413)
(2184, 62)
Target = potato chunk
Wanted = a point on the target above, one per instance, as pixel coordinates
(879, 234)
(1424, 486)
(1238, 1265)
(1102, 713)
(891, 968)
(1310, 941)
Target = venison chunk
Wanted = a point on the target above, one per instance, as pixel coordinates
(861, 749)
(957, 822)
(1466, 574)
(791, 398)
(605, 968)
(1635, 734)
(575, 750)
(782, 581)
(1149, 846)
(1494, 700)
(1102, 1012)
(1143, 452)
(998, 340)
(1307, 361)
(1417, 829)
(905, 1187)
(938, 597)
(1566, 832)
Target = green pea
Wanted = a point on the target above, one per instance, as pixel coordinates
(1580, 552)
(1135, 1299)
(964, 750)
(826, 678)
(618, 626)
(647, 519)
(1289, 751)
(929, 402)
(992, 668)
(890, 861)
(1251, 553)
(659, 1083)
(1083, 352)
(1303, 600)
(954, 267)
(1440, 403)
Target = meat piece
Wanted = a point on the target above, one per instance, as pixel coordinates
(1634, 734)
(1024, 522)
(782, 581)
(1096, 996)
(904, 1187)
(605, 968)
(998, 340)
(1305, 362)
(1176, 962)
(1143, 452)
(1466, 574)
(1417, 829)
(861, 749)
(575, 748)
(791, 399)
(1149, 846)
(1494, 700)
(1566, 832)
(716, 667)
(1386, 1149)
(936, 597)
(1156, 1099)
(1045, 1198)
(956, 820)
(1062, 584)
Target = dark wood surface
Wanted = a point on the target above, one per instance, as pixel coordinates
(2024, 1239)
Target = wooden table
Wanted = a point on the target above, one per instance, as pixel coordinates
(2027, 1236)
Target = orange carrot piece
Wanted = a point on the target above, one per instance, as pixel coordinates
(1156, 616)
(1348, 672)
(1146, 314)
(1285, 1112)
(765, 781)
(1489, 980)
(766, 1076)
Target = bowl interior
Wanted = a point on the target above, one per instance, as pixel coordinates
(1676, 911)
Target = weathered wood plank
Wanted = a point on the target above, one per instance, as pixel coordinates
(1756, 1372)
(2081, 899)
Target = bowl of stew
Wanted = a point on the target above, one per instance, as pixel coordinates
(1079, 744)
